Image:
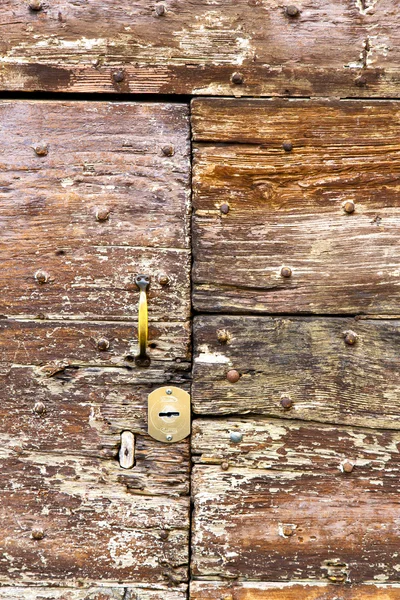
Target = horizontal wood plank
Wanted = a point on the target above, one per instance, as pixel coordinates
(66, 519)
(295, 501)
(340, 48)
(93, 593)
(309, 230)
(91, 195)
(202, 590)
(303, 361)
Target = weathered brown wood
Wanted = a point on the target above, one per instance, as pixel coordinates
(259, 208)
(201, 590)
(338, 48)
(305, 360)
(103, 161)
(65, 519)
(102, 344)
(295, 502)
(91, 194)
(100, 593)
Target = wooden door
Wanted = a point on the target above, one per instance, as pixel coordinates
(92, 194)
(295, 381)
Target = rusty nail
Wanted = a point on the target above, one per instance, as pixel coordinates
(347, 466)
(164, 534)
(287, 146)
(286, 402)
(102, 214)
(41, 276)
(168, 150)
(224, 466)
(35, 5)
(224, 208)
(233, 376)
(159, 10)
(223, 336)
(41, 149)
(37, 534)
(163, 279)
(237, 78)
(349, 207)
(119, 76)
(103, 344)
(287, 530)
(360, 81)
(236, 437)
(286, 272)
(39, 408)
(350, 337)
(292, 11)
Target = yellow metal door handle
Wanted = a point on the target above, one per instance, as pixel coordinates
(142, 359)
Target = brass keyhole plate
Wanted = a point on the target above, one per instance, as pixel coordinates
(169, 414)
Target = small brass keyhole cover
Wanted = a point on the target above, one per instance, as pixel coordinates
(169, 414)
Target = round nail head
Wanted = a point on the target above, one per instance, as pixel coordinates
(233, 376)
(287, 146)
(163, 279)
(41, 277)
(159, 10)
(350, 338)
(169, 438)
(41, 149)
(236, 437)
(168, 150)
(223, 336)
(286, 402)
(103, 344)
(286, 272)
(347, 466)
(39, 408)
(224, 466)
(37, 534)
(102, 214)
(35, 5)
(292, 11)
(224, 208)
(237, 78)
(118, 76)
(349, 207)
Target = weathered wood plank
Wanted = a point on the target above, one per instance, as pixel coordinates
(65, 519)
(259, 208)
(107, 197)
(201, 590)
(102, 344)
(79, 414)
(340, 48)
(302, 361)
(100, 593)
(295, 501)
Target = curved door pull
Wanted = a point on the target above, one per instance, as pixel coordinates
(142, 359)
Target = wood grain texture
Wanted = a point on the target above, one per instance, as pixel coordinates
(281, 506)
(200, 590)
(286, 208)
(100, 593)
(100, 157)
(304, 359)
(341, 48)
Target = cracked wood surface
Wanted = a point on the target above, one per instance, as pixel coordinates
(291, 591)
(92, 194)
(100, 593)
(343, 48)
(102, 159)
(303, 359)
(282, 506)
(286, 208)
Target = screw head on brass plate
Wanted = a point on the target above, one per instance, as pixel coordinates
(169, 414)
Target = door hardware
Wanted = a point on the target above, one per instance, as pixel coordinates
(169, 414)
(142, 359)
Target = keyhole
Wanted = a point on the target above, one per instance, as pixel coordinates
(168, 414)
